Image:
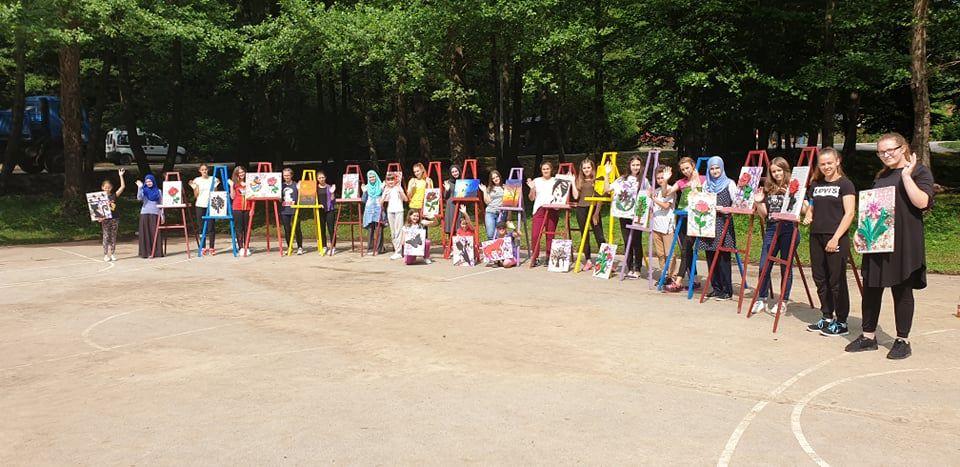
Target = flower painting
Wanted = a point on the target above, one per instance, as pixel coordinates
(463, 251)
(351, 187)
(560, 251)
(497, 249)
(604, 264)
(702, 215)
(431, 203)
(624, 199)
(263, 185)
(746, 188)
(875, 221)
(307, 195)
(219, 205)
(641, 217)
(796, 190)
(466, 188)
(99, 205)
(512, 194)
(172, 194)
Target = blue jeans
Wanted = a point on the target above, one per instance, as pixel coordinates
(490, 221)
(782, 250)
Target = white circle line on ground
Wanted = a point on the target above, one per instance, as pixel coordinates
(451, 279)
(66, 265)
(59, 278)
(86, 332)
(76, 254)
(802, 403)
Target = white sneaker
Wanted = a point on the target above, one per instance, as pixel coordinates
(331, 251)
(113, 257)
(758, 307)
(299, 251)
(427, 260)
(772, 306)
(106, 258)
(396, 256)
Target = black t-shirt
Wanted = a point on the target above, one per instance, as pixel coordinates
(827, 200)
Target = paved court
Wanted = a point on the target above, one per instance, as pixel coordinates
(317, 360)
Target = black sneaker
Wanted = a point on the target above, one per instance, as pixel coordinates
(835, 328)
(723, 297)
(861, 344)
(714, 294)
(900, 350)
(819, 325)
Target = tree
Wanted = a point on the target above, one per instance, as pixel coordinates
(918, 82)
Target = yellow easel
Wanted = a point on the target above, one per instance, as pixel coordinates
(307, 175)
(595, 201)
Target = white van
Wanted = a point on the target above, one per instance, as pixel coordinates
(118, 148)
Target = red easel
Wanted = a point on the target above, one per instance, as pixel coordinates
(378, 231)
(469, 166)
(435, 173)
(161, 220)
(754, 158)
(351, 169)
(265, 167)
(565, 168)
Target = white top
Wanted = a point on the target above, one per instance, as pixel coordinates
(663, 219)
(203, 190)
(544, 190)
(394, 201)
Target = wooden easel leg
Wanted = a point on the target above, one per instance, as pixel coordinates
(743, 271)
(673, 247)
(359, 228)
(765, 269)
(203, 238)
(584, 237)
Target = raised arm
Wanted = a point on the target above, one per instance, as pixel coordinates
(123, 183)
(918, 197)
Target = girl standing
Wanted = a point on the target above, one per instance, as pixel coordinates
(201, 193)
(721, 283)
(416, 224)
(663, 222)
(904, 269)
(634, 255)
(829, 213)
(393, 197)
(448, 186)
(289, 193)
(585, 187)
(373, 215)
(691, 181)
(493, 198)
(109, 227)
(241, 209)
(770, 200)
(417, 186)
(326, 197)
(149, 194)
(543, 218)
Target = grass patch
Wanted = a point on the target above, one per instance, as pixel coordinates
(951, 145)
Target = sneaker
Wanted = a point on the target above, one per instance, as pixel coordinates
(713, 294)
(396, 256)
(723, 297)
(299, 251)
(816, 327)
(862, 343)
(696, 285)
(835, 328)
(900, 350)
(427, 261)
(204, 251)
(113, 257)
(331, 251)
(106, 258)
(758, 307)
(588, 266)
(633, 275)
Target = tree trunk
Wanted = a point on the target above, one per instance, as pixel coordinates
(506, 130)
(70, 98)
(812, 137)
(601, 135)
(423, 135)
(96, 145)
(454, 116)
(322, 136)
(516, 128)
(852, 120)
(827, 124)
(497, 89)
(918, 83)
(176, 114)
(13, 153)
(368, 123)
(400, 151)
(130, 117)
(244, 131)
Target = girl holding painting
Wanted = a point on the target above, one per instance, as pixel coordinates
(541, 193)
(241, 209)
(584, 186)
(721, 283)
(633, 256)
(769, 200)
(691, 181)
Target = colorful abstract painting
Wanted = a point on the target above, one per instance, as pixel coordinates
(512, 194)
(431, 203)
(560, 191)
(463, 250)
(624, 198)
(560, 251)
(466, 188)
(307, 194)
(172, 194)
(604, 261)
(414, 241)
(702, 215)
(98, 203)
(641, 217)
(263, 185)
(875, 220)
(219, 205)
(497, 249)
(746, 188)
(351, 186)
(796, 190)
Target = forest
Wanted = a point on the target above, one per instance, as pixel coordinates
(409, 80)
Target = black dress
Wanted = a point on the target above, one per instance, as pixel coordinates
(907, 262)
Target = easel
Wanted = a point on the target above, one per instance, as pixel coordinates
(565, 168)
(435, 173)
(354, 203)
(162, 221)
(378, 230)
(649, 176)
(221, 172)
(595, 202)
(469, 166)
(516, 173)
(754, 158)
(307, 175)
(265, 167)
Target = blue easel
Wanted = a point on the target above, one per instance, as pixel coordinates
(220, 172)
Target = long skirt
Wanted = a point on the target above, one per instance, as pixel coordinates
(148, 226)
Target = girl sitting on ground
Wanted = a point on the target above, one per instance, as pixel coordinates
(415, 225)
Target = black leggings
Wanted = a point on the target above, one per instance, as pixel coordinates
(287, 220)
(328, 222)
(597, 228)
(830, 275)
(635, 255)
(685, 244)
(211, 227)
(240, 221)
(902, 307)
(721, 281)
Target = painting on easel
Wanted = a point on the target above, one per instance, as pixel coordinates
(796, 190)
(218, 204)
(702, 213)
(172, 194)
(307, 194)
(875, 221)
(466, 188)
(512, 191)
(560, 191)
(351, 187)
(99, 205)
(560, 251)
(604, 264)
(263, 185)
(624, 199)
(746, 188)
(641, 216)
(463, 250)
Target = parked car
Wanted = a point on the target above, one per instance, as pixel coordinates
(118, 148)
(41, 138)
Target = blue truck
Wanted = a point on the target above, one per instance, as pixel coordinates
(42, 135)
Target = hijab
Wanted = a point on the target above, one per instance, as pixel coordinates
(152, 194)
(374, 189)
(716, 185)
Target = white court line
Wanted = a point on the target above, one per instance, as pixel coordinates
(930, 333)
(472, 274)
(76, 254)
(52, 266)
(86, 332)
(800, 405)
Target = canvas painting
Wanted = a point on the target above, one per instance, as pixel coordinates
(265, 185)
(497, 249)
(219, 204)
(351, 187)
(641, 217)
(560, 192)
(431, 203)
(463, 251)
(702, 215)
(512, 193)
(393, 177)
(414, 241)
(560, 251)
(624, 199)
(875, 221)
(746, 188)
(99, 205)
(796, 190)
(307, 196)
(604, 265)
(466, 188)
(172, 195)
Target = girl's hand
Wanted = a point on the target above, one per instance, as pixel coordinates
(139, 184)
(808, 219)
(596, 217)
(607, 168)
(667, 173)
(758, 196)
(483, 188)
(833, 246)
(530, 183)
(333, 188)
(908, 168)
(363, 187)
(463, 209)
(121, 172)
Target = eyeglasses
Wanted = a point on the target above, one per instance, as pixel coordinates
(888, 152)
